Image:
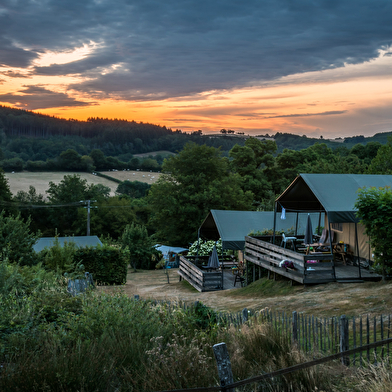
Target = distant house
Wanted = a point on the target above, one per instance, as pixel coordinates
(79, 241)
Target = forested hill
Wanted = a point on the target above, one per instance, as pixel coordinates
(116, 137)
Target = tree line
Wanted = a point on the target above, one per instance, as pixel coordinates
(197, 179)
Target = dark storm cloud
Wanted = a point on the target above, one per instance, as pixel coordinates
(37, 97)
(174, 48)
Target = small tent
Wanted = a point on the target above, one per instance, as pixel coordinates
(233, 226)
(171, 254)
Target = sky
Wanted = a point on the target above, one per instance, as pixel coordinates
(315, 68)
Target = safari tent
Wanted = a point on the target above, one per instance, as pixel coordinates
(233, 226)
(335, 195)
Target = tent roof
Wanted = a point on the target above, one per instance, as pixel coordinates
(233, 226)
(164, 249)
(81, 242)
(335, 194)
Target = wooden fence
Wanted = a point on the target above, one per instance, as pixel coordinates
(326, 335)
(356, 341)
(199, 279)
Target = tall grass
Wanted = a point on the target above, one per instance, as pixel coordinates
(50, 341)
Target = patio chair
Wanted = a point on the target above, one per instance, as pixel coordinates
(285, 240)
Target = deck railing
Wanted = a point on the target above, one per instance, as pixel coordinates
(307, 269)
(202, 280)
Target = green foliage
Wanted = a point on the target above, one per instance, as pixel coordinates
(72, 189)
(382, 163)
(16, 239)
(59, 258)
(139, 245)
(112, 216)
(197, 180)
(374, 207)
(205, 247)
(107, 264)
(134, 189)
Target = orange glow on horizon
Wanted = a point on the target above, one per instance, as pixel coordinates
(337, 102)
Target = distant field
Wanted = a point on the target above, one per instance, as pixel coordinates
(163, 153)
(21, 181)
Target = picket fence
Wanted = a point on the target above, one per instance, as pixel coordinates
(321, 336)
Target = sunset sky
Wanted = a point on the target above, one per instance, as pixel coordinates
(319, 68)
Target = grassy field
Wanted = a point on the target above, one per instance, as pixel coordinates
(326, 300)
(40, 180)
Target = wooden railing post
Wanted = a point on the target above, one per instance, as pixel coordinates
(343, 332)
(295, 327)
(224, 366)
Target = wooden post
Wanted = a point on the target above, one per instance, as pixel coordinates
(343, 329)
(295, 328)
(136, 297)
(244, 315)
(224, 366)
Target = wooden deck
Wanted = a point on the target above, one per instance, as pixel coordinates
(308, 269)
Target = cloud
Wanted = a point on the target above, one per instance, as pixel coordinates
(156, 49)
(329, 113)
(37, 97)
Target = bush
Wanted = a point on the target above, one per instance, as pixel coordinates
(16, 240)
(107, 264)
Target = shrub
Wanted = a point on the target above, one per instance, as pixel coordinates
(107, 264)
(139, 245)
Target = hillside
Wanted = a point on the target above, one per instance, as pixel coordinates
(35, 136)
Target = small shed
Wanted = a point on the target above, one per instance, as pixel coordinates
(79, 241)
(233, 226)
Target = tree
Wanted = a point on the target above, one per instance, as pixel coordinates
(375, 211)
(196, 180)
(111, 216)
(99, 159)
(382, 163)
(135, 189)
(16, 239)
(139, 244)
(250, 162)
(5, 192)
(72, 189)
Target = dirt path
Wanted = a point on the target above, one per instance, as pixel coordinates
(322, 300)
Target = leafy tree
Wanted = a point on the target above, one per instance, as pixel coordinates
(382, 163)
(135, 189)
(70, 160)
(99, 159)
(196, 180)
(16, 239)
(375, 211)
(111, 216)
(5, 192)
(70, 192)
(140, 246)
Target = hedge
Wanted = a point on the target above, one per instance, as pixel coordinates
(108, 265)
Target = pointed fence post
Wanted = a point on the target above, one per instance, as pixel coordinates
(295, 328)
(224, 366)
(343, 329)
(244, 315)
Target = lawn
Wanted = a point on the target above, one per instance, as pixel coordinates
(21, 181)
